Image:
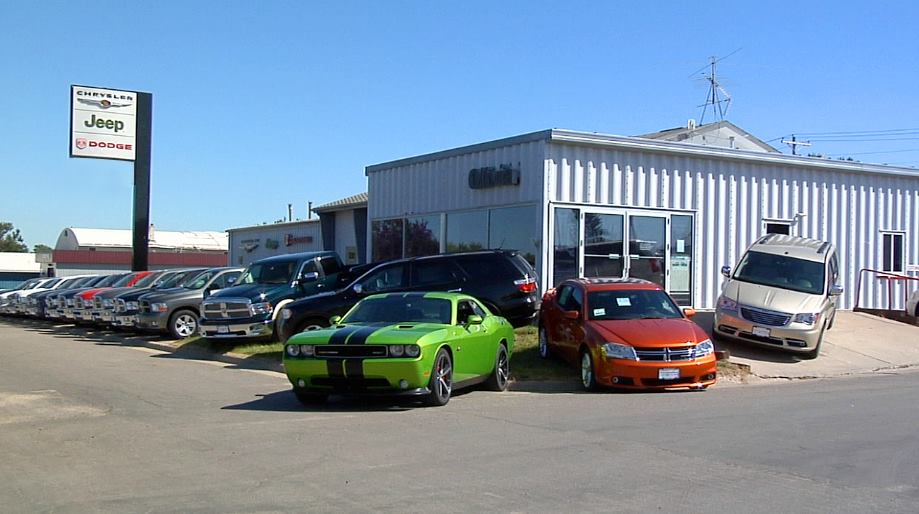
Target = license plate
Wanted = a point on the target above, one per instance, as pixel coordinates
(223, 329)
(668, 373)
(761, 332)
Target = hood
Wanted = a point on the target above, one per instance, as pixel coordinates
(113, 292)
(772, 298)
(649, 333)
(253, 292)
(86, 295)
(171, 294)
(373, 333)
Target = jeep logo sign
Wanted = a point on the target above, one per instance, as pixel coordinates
(102, 123)
(489, 176)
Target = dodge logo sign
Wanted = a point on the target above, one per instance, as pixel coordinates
(81, 143)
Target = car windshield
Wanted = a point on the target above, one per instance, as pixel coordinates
(631, 304)
(200, 280)
(108, 281)
(781, 271)
(146, 281)
(50, 283)
(269, 273)
(401, 309)
(125, 280)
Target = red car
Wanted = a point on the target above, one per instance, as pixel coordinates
(83, 302)
(625, 333)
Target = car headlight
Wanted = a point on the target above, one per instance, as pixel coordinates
(87, 304)
(132, 306)
(293, 350)
(726, 304)
(412, 350)
(619, 351)
(260, 308)
(704, 348)
(307, 350)
(396, 350)
(286, 314)
(158, 307)
(808, 318)
(108, 303)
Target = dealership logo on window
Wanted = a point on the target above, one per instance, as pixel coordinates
(490, 176)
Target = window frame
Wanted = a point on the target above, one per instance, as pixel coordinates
(889, 263)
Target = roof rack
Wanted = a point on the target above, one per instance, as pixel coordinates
(823, 247)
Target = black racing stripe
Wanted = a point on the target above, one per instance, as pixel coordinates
(354, 368)
(360, 336)
(335, 368)
(341, 335)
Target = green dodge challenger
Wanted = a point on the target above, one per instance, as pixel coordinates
(415, 344)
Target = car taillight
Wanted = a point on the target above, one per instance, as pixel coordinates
(526, 285)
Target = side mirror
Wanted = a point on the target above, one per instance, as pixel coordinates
(572, 314)
(726, 271)
(358, 288)
(474, 319)
(836, 290)
(689, 312)
(334, 320)
(310, 276)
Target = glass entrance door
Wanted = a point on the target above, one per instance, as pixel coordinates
(566, 255)
(603, 255)
(648, 248)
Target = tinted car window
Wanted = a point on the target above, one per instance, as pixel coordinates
(269, 273)
(488, 266)
(329, 265)
(434, 272)
(384, 279)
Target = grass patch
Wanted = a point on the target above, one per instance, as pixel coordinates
(260, 349)
(527, 365)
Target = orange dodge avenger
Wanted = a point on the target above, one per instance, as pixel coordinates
(625, 333)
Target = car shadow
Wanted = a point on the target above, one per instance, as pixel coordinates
(756, 353)
(285, 401)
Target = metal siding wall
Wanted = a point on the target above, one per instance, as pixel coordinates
(733, 197)
(443, 184)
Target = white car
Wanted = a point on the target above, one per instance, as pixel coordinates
(912, 305)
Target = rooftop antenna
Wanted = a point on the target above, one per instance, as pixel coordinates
(718, 98)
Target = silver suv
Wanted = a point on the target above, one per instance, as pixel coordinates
(782, 294)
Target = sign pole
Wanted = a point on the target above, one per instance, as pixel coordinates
(141, 232)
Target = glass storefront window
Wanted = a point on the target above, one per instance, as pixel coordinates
(387, 239)
(467, 231)
(515, 228)
(566, 252)
(681, 259)
(422, 235)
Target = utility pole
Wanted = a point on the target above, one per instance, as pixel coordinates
(794, 143)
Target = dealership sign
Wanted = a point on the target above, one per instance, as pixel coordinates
(102, 123)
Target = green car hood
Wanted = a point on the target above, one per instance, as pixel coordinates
(370, 333)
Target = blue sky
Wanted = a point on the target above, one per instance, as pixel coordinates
(261, 104)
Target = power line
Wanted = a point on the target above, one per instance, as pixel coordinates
(858, 132)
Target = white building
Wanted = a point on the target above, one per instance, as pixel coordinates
(672, 212)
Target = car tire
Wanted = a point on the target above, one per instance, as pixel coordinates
(588, 371)
(441, 384)
(502, 372)
(813, 354)
(183, 323)
(543, 343)
(309, 397)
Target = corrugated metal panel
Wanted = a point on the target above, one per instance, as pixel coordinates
(732, 198)
(443, 184)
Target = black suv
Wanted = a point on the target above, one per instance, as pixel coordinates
(501, 279)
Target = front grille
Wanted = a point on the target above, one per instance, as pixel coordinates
(685, 353)
(144, 306)
(120, 305)
(349, 383)
(353, 350)
(232, 309)
(97, 302)
(764, 317)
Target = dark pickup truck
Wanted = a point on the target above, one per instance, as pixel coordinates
(250, 308)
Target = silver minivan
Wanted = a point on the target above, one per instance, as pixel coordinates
(782, 294)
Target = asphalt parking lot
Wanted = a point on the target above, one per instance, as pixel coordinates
(95, 425)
